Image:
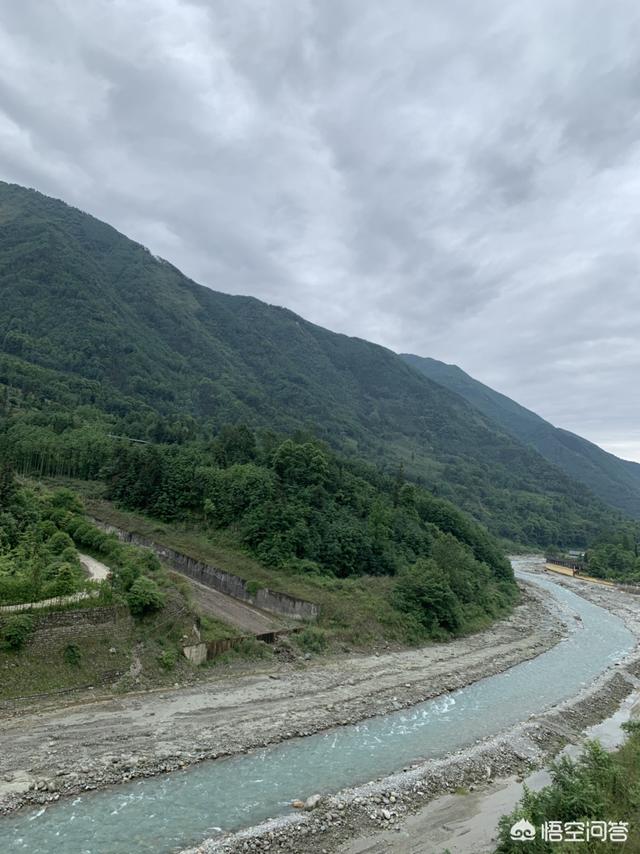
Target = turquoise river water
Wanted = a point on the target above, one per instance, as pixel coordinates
(166, 813)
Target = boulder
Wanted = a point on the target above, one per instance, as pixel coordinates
(312, 802)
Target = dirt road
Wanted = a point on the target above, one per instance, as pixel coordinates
(105, 742)
(97, 572)
(232, 611)
(211, 602)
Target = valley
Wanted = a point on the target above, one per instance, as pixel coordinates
(319, 428)
(245, 560)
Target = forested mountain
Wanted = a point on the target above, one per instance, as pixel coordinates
(94, 330)
(613, 480)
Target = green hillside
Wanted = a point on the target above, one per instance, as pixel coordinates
(95, 330)
(613, 480)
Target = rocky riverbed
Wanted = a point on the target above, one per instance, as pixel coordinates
(369, 818)
(52, 754)
(384, 805)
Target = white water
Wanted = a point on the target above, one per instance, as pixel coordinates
(169, 812)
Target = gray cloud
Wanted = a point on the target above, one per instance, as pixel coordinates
(455, 179)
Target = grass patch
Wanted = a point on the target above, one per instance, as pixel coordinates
(247, 649)
(212, 629)
(311, 639)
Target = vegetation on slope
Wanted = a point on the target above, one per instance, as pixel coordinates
(616, 556)
(97, 331)
(613, 480)
(356, 612)
(300, 509)
(598, 787)
(38, 560)
(39, 533)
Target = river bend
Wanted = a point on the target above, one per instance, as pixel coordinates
(169, 812)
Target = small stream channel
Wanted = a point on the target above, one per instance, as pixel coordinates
(166, 813)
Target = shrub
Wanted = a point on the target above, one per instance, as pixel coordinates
(424, 592)
(16, 630)
(126, 575)
(48, 528)
(70, 555)
(60, 542)
(167, 659)
(144, 596)
(72, 654)
(65, 499)
(312, 639)
(65, 581)
(14, 590)
(252, 588)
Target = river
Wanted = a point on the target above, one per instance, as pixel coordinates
(166, 813)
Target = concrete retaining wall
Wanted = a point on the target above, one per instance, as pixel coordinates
(198, 653)
(218, 579)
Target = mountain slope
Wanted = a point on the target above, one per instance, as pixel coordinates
(91, 318)
(614, 480)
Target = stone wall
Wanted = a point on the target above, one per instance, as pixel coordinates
(73, 625)
(211, 576)
(102, 638)
(80, 618)
(55, 601)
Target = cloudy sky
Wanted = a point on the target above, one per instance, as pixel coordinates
(451, 178)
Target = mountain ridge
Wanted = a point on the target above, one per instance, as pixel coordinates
(614, 480)
(93, 319)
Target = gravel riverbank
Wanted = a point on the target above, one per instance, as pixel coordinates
(51, 754)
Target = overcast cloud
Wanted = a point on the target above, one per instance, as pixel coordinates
(452, 178)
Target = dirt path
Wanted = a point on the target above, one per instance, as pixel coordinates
(232, 611)
(105, 742)
(97, 571)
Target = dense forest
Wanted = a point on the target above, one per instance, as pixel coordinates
(38, 560)
(98, 337)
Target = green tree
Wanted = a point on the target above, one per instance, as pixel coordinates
(145, 596)
(423, 591)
